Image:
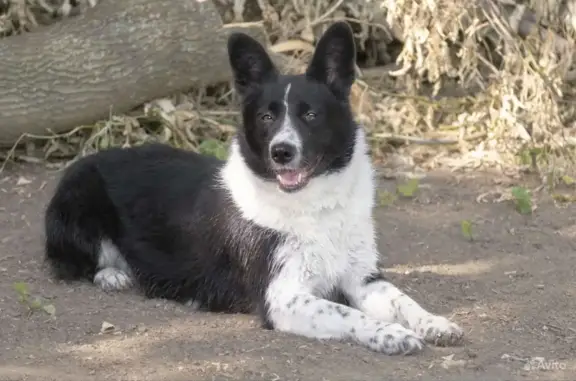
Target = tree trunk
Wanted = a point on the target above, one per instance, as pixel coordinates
(111, 59)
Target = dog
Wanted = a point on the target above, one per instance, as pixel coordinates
(282, 228)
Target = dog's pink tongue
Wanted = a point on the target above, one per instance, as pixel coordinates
(289, 178)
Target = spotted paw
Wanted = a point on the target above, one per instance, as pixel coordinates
(394, 339)
(112, 279)
(440, 331)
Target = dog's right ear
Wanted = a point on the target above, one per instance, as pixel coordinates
(251, 65)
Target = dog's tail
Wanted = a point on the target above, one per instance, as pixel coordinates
(78, 218)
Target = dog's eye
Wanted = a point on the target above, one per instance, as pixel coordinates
(267, 118)
(310, 116)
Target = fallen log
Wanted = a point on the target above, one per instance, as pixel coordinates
(110, 59)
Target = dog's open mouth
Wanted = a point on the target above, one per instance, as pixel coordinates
(292, 180)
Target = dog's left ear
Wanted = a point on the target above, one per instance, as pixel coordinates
(334, 59)
(251, 64)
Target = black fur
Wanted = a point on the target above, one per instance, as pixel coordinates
(162, 209)
(165, 210)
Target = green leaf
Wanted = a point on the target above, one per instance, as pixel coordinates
(213, 147)
(523, 200)
(568, 180)
(35, 304)
(49, 309)
(524, 157)
(466, 227)
(386, 198)
(22, 289)
(408, 188)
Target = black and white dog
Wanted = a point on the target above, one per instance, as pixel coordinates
(284, 226)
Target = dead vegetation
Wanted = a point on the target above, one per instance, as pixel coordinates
(482, 84)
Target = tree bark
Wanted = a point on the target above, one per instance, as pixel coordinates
(111, 59)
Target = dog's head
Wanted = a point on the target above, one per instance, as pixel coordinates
(296, 128)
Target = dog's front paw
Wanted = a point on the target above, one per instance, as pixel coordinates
(111, 279)
(440, 331)
(394, 339)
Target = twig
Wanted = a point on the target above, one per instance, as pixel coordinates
(10, 154)
(327, 13)
(422, 141)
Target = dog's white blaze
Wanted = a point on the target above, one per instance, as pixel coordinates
(286, 92)
(287, 132)
(331, 244)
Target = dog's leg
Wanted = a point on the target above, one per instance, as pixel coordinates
(114, 273)
(292, 309)
(368, 291)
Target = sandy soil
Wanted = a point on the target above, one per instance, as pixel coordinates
(513, 290)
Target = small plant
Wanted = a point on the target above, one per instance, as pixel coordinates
(532, 157)
(568, 180)
(408, 188)
(213, 147)
(564, 198)
(466, 227)
(33, 303)
(386, 198)
(522, 200)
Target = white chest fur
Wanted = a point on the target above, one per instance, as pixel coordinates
(327, 224)
(316, 262)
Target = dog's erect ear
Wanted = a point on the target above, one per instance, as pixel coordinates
(334, 59)
(251, 65)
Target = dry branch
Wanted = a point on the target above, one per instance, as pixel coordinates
(113, 58)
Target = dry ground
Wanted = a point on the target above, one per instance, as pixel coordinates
(513, 289)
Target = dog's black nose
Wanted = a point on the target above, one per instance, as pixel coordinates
(283, 153)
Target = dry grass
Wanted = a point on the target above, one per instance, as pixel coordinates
(442, 84)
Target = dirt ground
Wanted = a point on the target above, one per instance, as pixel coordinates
(513, 290)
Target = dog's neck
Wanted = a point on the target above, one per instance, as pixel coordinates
(350, 190)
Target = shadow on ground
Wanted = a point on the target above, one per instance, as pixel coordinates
(513, 289)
